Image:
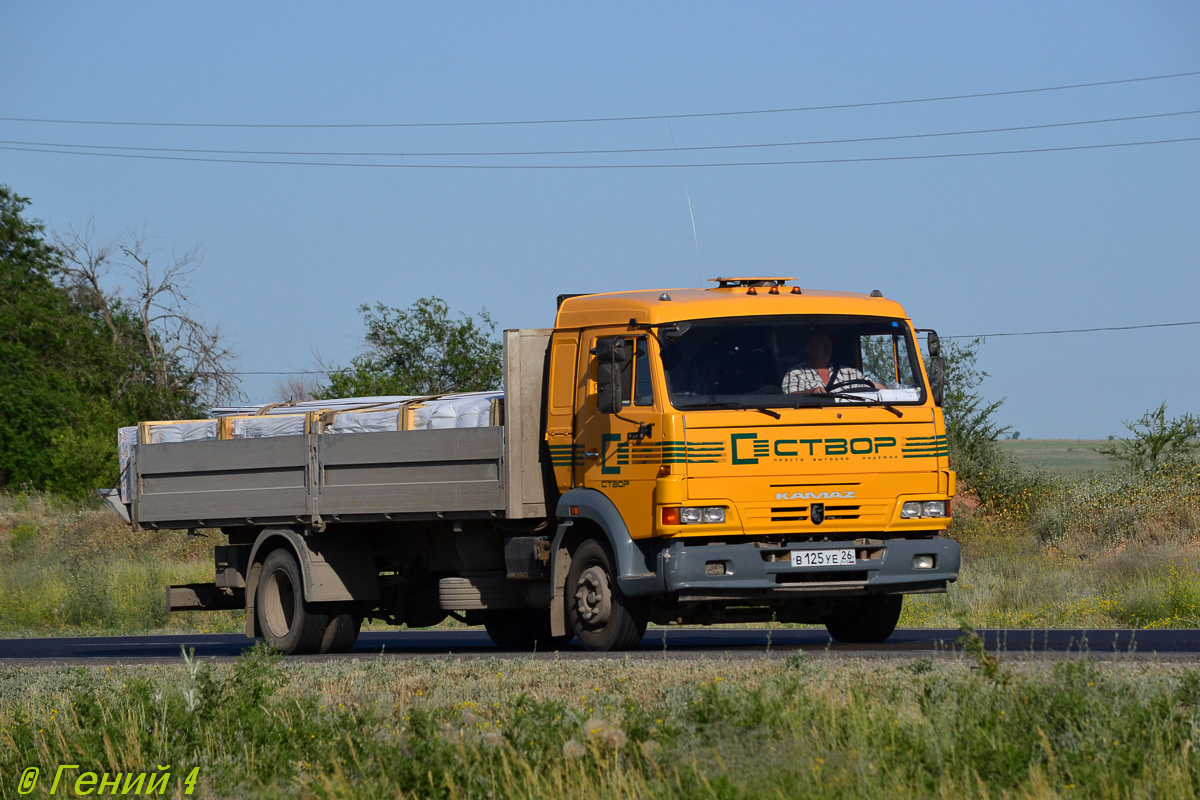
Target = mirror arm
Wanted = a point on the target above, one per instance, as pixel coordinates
(644, 430)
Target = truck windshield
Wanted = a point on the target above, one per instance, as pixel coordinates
(792, 361)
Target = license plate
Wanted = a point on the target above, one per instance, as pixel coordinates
(823, 558)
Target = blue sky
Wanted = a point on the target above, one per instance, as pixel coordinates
(1003, 243)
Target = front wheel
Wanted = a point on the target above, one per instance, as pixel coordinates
(598, 611)
(288, 622)
(867, 621)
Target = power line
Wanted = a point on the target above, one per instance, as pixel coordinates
(861, 160)
(612, 151)
(1075, 330)
(578, 120)
(960, 336)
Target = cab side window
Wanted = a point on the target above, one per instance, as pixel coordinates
(643, 388)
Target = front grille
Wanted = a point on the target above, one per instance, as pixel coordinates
(800, 513)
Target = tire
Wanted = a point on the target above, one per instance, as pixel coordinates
(869, 621)
(598, 611)
(522, 630)
(481, 592)
(288, 622)
(341, 633)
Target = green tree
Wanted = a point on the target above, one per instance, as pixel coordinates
(971, 426)
(985, 470)
(44, 341)
(420, 350)
(79, 362)
(1156, 440)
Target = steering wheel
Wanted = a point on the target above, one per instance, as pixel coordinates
(859, 382)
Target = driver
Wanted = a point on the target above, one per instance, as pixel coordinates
(818, 374)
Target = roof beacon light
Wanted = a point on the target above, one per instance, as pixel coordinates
(760, 282)
(752, 290)
(664, 297)
(796, 290)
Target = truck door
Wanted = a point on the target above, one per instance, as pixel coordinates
(621, 453)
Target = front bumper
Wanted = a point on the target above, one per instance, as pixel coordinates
(754, 571)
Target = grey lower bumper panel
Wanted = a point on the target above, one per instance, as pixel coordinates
(713, 571)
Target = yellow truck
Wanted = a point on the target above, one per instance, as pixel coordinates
(751, 451)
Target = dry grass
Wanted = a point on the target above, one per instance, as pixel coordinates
(524, 728)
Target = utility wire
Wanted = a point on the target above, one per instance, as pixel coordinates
(369, 154)
(600, 166)
(1075, 330)
(577, 120)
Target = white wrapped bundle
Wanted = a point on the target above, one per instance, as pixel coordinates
(189, 431)
(365, 421)
(260, 427)
(365, 414)
(461, 411)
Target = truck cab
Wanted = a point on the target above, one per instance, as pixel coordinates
(744, 452)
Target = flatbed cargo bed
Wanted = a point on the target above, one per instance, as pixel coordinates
(317, 478)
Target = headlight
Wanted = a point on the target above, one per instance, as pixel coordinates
(915, 509)
(693, 515)
(934, 508)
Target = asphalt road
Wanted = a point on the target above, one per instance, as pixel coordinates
(680, 643)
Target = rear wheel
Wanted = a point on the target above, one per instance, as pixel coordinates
(523, 629)
(290, 623)
(599, 612)
(867, 621)
(342, 631)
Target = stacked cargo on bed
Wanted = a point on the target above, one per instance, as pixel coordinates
(342, 416)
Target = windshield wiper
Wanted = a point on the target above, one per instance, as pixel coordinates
(738, 406)
(849, 396)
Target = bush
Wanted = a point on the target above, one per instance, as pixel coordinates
(1157, 441)
(1105, 511)
(994, 479)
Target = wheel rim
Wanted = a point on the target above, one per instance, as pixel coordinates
(593, 597)
(279, 605)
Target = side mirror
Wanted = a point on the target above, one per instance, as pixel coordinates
(937, 368)
(611, 355)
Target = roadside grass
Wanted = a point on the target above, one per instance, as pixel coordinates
(1116, 549)
(445, 728)
(1105, 550)
(73, 569)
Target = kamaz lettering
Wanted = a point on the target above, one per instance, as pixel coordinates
(814, 495)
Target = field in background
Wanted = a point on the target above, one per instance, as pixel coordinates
(1062, 456)
(446, 728)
